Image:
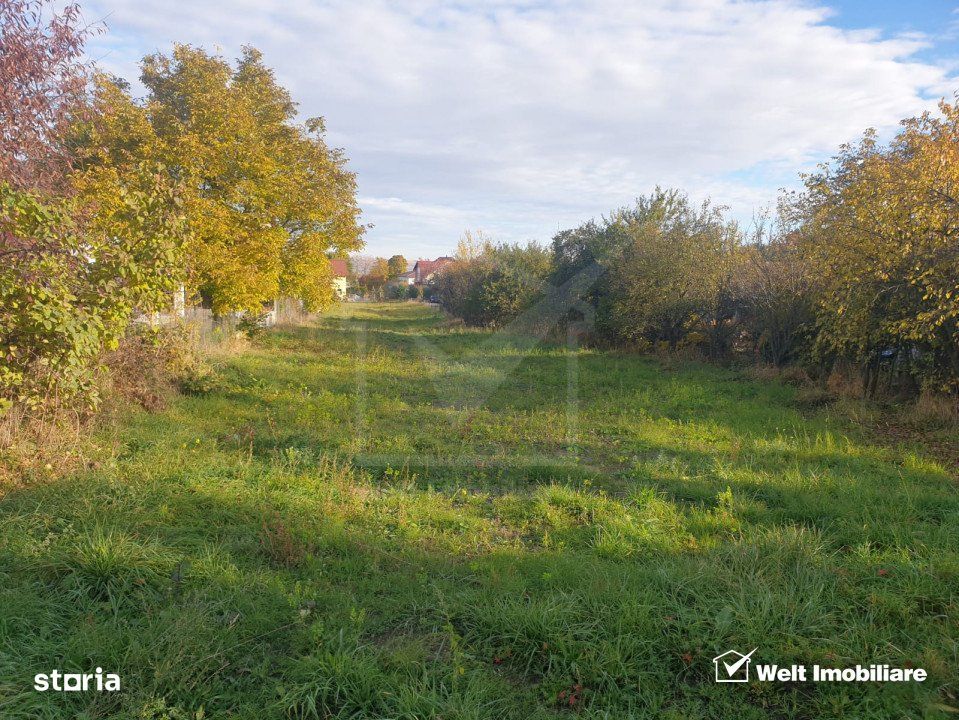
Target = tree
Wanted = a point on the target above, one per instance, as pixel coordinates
(42, 84)
(266, 200)
(87, 238)
(880, 226)
(375, 277)
(472, 244)
(667, 270)
(322, 220)
(107, 204)
(397, 266)
(495, 284)
(774, 290)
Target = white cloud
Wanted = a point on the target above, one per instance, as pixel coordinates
(522, 116)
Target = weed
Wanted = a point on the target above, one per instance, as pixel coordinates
(279, 543)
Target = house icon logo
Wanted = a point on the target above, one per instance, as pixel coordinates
(732, 666)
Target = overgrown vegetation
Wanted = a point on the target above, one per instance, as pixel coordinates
(444, 539)
(881, 229)
(493, 284)
(109, 204)
(861, 270)
(388, 514)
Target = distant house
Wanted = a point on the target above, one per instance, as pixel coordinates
(424, 270)
(402, 280)
(341, 270)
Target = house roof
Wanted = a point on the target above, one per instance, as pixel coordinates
(340, 267)
(428, 266)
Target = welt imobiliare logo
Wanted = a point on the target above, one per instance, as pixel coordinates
(733, 666)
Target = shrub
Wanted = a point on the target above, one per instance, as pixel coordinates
(151, 363)
(668, 271)
(495, 286)
(69, 289)
(777, 306)
(396, 292)
(252, 324)
(935, 410)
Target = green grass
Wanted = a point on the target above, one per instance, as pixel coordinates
(385, 517)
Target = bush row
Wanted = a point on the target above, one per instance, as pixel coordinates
(860, 268)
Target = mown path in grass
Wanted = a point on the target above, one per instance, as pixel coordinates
(384, 516)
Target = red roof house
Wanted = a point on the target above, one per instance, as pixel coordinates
(424, 270)
(341, 268)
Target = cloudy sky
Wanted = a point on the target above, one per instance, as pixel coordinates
(523, 117)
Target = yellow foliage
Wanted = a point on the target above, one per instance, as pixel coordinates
(882, 228)
(265, 200)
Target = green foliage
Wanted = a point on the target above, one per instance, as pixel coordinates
(69, 288)
(87, 238)
(396, 291)
(672, 274)
(667, 269)
(862, 267)
(200, 380)
(252, 324)
(494, 286)
(776, 301)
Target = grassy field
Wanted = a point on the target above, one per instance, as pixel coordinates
(381, 516)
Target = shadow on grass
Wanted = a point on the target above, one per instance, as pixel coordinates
(406, 603)
(466, 559)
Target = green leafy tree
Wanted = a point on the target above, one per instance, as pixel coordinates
(667, 271)
(494, 284)
(110, 251)
(396, 265)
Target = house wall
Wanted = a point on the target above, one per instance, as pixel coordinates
(339, 287)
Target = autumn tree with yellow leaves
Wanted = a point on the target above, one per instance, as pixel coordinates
(880, 226)
(266, 200)
(107, 204)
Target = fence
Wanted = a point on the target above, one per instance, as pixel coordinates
(213, 330)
